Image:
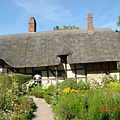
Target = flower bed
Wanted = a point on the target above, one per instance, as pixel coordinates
(92, 104)
(14, 105)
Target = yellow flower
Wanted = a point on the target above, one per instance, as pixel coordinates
(83, 95)
(75, 91)
(68, 90)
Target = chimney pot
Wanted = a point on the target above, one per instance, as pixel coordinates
(90, 22)
(32, 24)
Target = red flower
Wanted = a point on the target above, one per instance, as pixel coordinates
(115, 109)
(104, 108)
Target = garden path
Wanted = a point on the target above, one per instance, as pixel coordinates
(43, 111)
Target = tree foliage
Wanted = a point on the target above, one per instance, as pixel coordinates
(69, 27)
(118, 65)
(118, 23)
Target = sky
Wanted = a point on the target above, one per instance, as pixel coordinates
(15, 14)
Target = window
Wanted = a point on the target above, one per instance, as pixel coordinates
(63, 58)
(61, 73)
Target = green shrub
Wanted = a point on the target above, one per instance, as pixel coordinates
(94, 84)
(31, 86)
(81, 85)
(69, 82)
(34, 89)
(104, 106)
(55, 94)
(22, 78)
(38, 93)
(69, 106)
(108, 79)
(12, 106)
(32, 104)
(2, 117)
(50, 90)
(49, 93)
(47, 98)
(114, 86)
(6, 80)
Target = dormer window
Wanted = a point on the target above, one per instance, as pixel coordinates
(63, 58)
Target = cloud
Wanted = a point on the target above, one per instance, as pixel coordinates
(48, 9)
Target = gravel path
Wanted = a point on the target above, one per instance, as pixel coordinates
(43, 111)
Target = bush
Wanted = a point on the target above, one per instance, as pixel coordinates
(38, 93)
(35, 86)
(104, 106)
(49, 93)
(69, 106)
(32, 103)
(94, 84)
(7, 80)
(108, 79)
(81, 85)
(12, 105)
(50, 90)
(45, 87)
(22, 78)
(47, 98)
(114, 86)
(69, 82)
(35, 89)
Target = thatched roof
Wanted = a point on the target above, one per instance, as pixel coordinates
(43, 48)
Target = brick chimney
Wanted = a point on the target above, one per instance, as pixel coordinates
(32, 24)
(90, 22)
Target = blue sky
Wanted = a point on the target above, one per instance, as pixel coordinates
(14, 14)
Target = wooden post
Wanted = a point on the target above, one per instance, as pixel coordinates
(32, 71)
(25, 70)
(56, 72)
(47, 73)
(75, 70)
(86, 72)
(65, 70)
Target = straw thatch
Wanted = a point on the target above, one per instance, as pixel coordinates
(43, 48)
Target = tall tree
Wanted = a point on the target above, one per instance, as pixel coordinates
(118, 23)
(56, 28)
(69, 27)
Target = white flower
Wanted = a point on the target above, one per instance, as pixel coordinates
(44, 87)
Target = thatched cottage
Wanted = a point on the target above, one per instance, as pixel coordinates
(55, 55)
